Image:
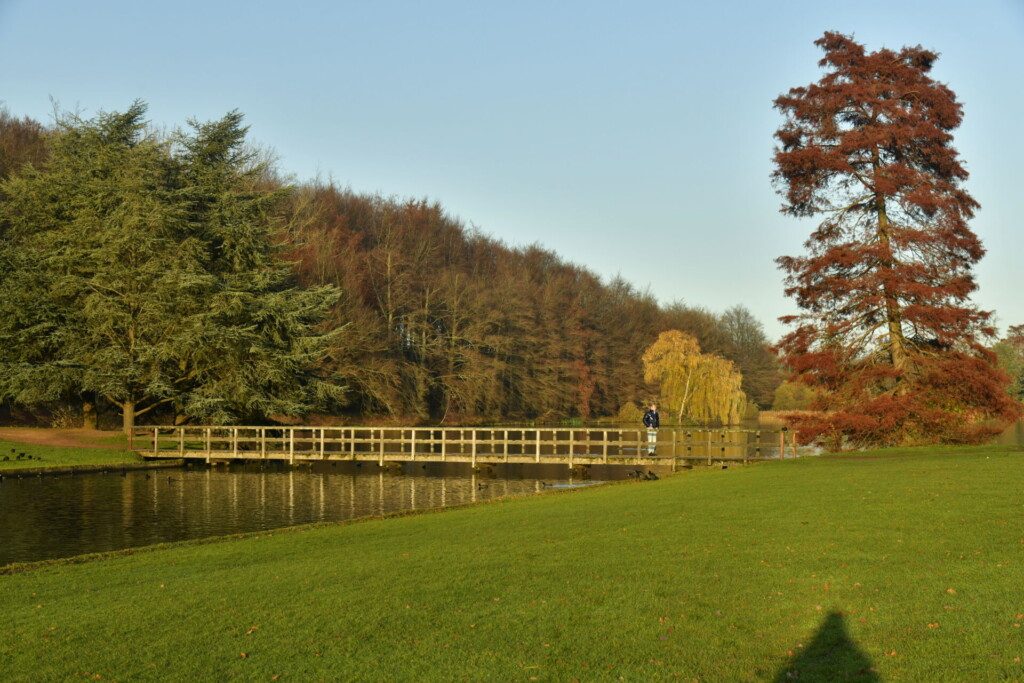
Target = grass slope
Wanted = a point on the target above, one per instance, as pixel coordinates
(903, 565)
(116, 453)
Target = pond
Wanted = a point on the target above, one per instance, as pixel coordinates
(52, 517)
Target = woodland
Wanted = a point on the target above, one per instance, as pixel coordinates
(182, 277)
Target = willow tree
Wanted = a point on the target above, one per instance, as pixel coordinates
(886, 326)
(703, 387)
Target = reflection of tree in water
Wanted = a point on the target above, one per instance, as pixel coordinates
(831, 656)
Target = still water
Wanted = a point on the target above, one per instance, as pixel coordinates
(51, 517)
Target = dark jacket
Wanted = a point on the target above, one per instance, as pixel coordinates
(651, 420)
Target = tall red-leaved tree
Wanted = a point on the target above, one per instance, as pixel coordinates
(886, 325)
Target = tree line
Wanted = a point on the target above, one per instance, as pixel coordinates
(182, 277)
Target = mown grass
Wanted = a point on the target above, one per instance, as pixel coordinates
(62, 456)
(895, 565)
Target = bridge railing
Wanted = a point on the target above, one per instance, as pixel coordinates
(509, 444)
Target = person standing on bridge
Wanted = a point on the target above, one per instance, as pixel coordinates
(652, 423)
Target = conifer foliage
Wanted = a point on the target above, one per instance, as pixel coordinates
(141, 270)
(886, 327)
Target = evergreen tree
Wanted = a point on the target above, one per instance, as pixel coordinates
(144, 272)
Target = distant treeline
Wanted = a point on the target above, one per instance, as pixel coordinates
(414, 315)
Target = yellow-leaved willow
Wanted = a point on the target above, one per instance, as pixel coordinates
(701, 386)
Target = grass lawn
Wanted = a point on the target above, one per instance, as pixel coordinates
(901, 565)
(107, 450)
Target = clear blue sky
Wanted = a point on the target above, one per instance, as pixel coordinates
(630, 137)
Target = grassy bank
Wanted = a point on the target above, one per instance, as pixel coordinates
(102, 450)
(894, 565)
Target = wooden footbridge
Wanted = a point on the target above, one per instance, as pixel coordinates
(488, 445)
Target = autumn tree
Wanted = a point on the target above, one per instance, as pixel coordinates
(22, 141)
(703, 387)
(752, 354)
(1010, 352)
(886, 326)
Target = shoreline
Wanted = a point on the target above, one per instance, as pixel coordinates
(54, 470)
(85, 558)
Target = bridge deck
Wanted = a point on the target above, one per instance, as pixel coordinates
(493, 445)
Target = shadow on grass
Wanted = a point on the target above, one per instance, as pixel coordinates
(830, 656)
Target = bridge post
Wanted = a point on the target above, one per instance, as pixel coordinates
(604, 449)
(156, 437)
(381, 463)
(291, 445)
(352, 442)
(505, 445)
(412, 445)
(321, 443)
(209, 446)
(444, 444)
(234, 442)
(572, 445)
(536, 446)
(263, 443)
(782, 445)
(673, 450)
(472, 446)
(181, 441)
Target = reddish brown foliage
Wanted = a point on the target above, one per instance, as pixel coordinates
(887, 326)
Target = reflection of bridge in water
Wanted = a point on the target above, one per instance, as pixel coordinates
(490, 445)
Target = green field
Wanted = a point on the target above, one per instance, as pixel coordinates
(902, 565)
(63, 456)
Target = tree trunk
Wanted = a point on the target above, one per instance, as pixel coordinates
(128, 410)
(893, 315)
(88, 415)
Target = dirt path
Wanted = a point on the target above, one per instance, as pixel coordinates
(77, 438)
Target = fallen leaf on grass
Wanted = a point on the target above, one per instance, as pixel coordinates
(951, 591)
(934, 624)
(252, 629)
(243, 655)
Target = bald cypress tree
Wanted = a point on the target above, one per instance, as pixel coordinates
(886, 325)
